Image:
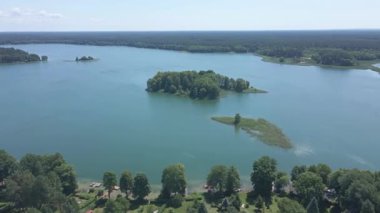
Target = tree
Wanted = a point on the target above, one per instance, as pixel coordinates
(237, 119)
(282, 180)
(123, 204)
(233, 180)
(259, 202)
(126, 182)
(297, 171)
(19, 188)
(141, 187)
(112, 207)
(217, 178)
(263, 175)
(40, 191)
(322, 170)
(173, 180)
(367, 207)
(8, 165)
(286, 205)
(309, 185)
(109, 182)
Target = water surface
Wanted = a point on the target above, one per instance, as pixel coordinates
(100, 118)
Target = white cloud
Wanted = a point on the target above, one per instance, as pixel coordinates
(29, 13)
(43, 13)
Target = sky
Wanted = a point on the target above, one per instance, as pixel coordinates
(185, 15)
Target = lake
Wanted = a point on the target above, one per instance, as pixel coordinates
(99, 116)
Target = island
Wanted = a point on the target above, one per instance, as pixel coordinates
(12, 55)
(198, 85)
(260, 128)
(85, 58)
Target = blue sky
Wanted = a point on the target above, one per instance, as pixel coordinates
(161, 15)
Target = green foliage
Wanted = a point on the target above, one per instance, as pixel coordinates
(263, 175)
(8, 165)
(309, 186)
(173, 180)
(237, 119)
(216, 179)
(123, 204)
(232, 180)
(175, 201)
(197, 85)
(259, 202)
(286, 205)
(45, 164)
(197, 207)
(356, 189)
(112, 206)
(141, 187)
(297, 171)
(126, 182)
(334, 57)
(109, 182)
(12, 55)
(282, 180)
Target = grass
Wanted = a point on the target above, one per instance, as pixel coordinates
(149, 208)
(262, 129)
(254, 90)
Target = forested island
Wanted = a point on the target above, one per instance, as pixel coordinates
(260, 128)
(84, 58)
(12, 55)
(198, 85)
(358, 49)
(46, 183)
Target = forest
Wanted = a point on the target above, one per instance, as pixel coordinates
(12, 55)
(196, 85)
(338, 48)
(46, 183)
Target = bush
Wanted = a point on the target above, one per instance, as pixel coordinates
(175, 201)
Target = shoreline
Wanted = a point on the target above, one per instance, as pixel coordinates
(364, 65)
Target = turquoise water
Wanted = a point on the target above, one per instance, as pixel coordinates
(100, 118)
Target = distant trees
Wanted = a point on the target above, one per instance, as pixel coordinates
(336, 57)
(84, 58)
(12, 55)
(197, 85)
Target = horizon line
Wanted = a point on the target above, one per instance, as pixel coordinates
(147, 31)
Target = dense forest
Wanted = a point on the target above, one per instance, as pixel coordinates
(340, 48)
(47, 183)
(12, 55)
(197, 85)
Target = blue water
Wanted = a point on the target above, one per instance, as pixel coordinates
(100, 118)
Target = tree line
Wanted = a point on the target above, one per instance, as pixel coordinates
(46, 183)
(197, 85)
(318, 45)
(12, 55)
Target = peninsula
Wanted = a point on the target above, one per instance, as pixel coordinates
(12, 55)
